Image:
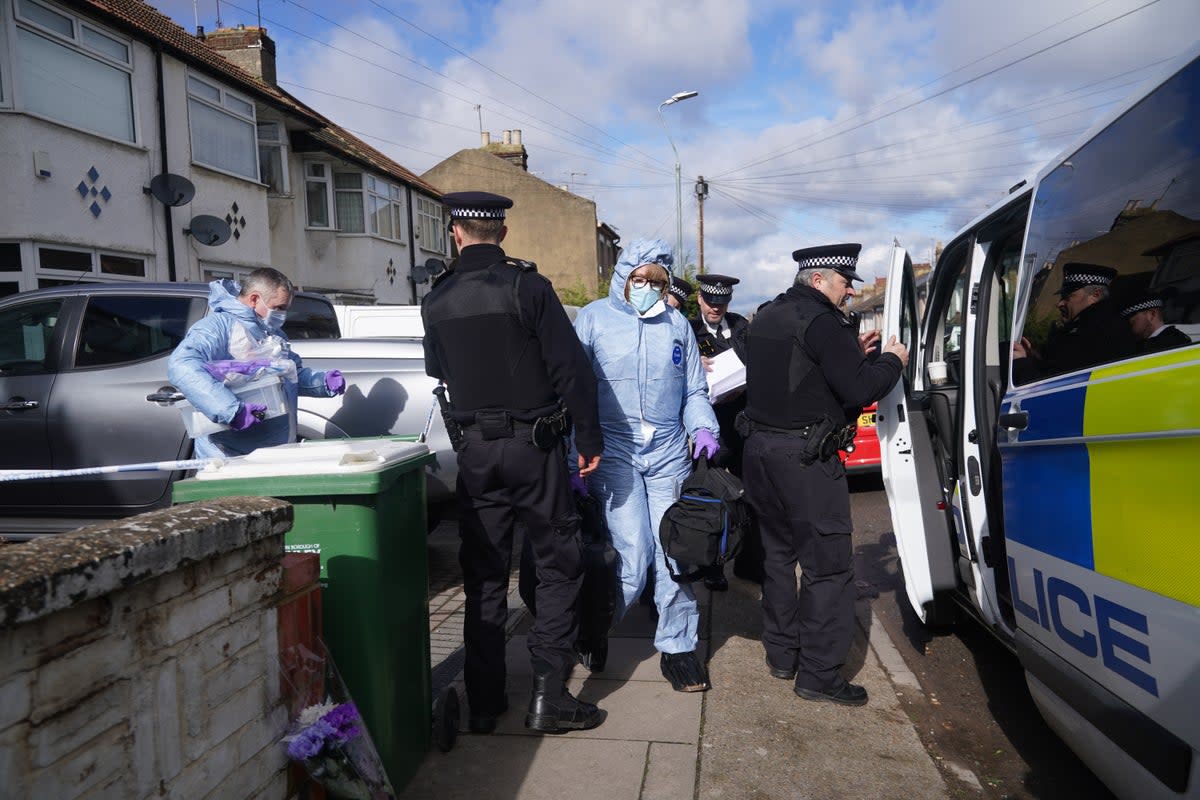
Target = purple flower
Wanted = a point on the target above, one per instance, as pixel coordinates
(310, 741)
(343, 721)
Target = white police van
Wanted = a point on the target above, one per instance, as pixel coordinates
(1059, 503)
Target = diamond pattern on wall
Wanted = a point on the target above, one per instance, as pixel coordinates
(235, 220)
(88, 190)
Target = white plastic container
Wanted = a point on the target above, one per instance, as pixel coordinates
(266, 391)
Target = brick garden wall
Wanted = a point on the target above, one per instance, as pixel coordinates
(140, 658)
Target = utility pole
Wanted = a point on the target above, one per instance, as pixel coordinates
(701, 194)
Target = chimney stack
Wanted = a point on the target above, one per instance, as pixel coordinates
(485, 138)
(510, 149)
(247, 47)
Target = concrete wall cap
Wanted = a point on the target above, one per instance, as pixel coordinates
(56, 572)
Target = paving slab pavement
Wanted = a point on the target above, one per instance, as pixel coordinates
(748, 738)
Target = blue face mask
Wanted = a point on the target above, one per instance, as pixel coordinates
(643, 298)
(275, 319)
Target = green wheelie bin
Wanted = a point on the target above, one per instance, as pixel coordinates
(360, 504)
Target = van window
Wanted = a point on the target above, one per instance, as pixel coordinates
(1124, 210)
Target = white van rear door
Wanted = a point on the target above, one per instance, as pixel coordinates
(910, 477)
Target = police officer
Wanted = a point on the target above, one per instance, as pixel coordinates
(1144, 314)
(718, 329)
(499, 338)
(1092, 331)
(807, 378)
(678, 293)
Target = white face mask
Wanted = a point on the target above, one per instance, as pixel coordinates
(275, 319)
(643, 298)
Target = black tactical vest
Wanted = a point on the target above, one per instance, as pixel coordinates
(779, 373)
(490, 355)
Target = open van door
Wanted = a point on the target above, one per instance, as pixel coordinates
(910, 472)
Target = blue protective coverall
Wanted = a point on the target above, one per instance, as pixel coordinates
(652, 394)
(207, 341)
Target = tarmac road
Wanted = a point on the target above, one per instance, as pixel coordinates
(974, 714)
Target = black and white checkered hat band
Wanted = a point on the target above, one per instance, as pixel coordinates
(477, 213)
(716, 288)
(1087, 279)
(821, 262)
(1145, 305)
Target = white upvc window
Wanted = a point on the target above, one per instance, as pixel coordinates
(318, 195)
(71, 70)
(431, 228)
(56, 261)
(272, 156)
(385, 209)
(349, 202)
(224, 135)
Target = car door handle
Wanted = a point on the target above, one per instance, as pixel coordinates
(164, 396)
(17, 404)
(1014, 420)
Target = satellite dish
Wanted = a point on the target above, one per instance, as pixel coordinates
(172, 190)
(208, 230)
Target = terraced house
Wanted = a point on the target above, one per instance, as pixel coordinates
(133, 150)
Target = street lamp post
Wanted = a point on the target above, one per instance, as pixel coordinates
(675, 98)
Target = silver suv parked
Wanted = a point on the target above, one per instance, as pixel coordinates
(83, 383)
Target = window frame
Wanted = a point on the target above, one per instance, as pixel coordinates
(282, 144)
(360, 191)
(330, 211)
(221, 107)
(95, 274)
(11, 93)
(436, 223)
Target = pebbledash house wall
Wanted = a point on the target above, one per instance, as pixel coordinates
(140, 658)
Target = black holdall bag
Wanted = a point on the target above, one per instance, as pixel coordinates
(705, 526)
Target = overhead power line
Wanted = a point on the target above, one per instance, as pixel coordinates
(937, 94)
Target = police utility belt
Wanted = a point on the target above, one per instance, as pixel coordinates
(545, 432)
(821, 439)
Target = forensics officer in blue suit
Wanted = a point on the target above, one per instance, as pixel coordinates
(652, 396)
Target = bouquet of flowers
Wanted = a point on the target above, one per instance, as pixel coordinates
(328, 736)
(325, 743)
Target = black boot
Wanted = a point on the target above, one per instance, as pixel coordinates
(684, 671)
(552, 709)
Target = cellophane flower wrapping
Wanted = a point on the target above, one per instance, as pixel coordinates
(329, 737)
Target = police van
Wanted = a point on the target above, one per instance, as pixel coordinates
(1058, 503)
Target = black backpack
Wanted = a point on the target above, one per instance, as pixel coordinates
(705, 526)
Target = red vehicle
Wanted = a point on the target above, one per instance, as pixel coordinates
(865, 457)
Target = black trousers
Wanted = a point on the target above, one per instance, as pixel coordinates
(500, 482)
(803, 518)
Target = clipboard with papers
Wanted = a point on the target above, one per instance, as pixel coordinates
(727, 376)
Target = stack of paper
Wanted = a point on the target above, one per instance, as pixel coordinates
(727, 376)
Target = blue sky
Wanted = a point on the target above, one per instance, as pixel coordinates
(817, 122)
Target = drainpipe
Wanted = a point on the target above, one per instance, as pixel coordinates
(162, 137)
(412, 245)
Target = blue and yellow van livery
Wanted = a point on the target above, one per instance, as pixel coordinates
(1055, 501)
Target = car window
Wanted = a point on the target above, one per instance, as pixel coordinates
(311, 318)
(26, 332)
(119, 329)
(1123, 209)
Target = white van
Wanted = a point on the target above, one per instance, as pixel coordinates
(373, 322)
(1058, 503)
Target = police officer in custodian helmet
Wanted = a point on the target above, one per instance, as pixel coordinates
(807, 379)
(498, 337)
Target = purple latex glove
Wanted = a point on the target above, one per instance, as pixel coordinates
(248, 414)
(219, 369)
(578, 484)
(704, 444)
(334, 381)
